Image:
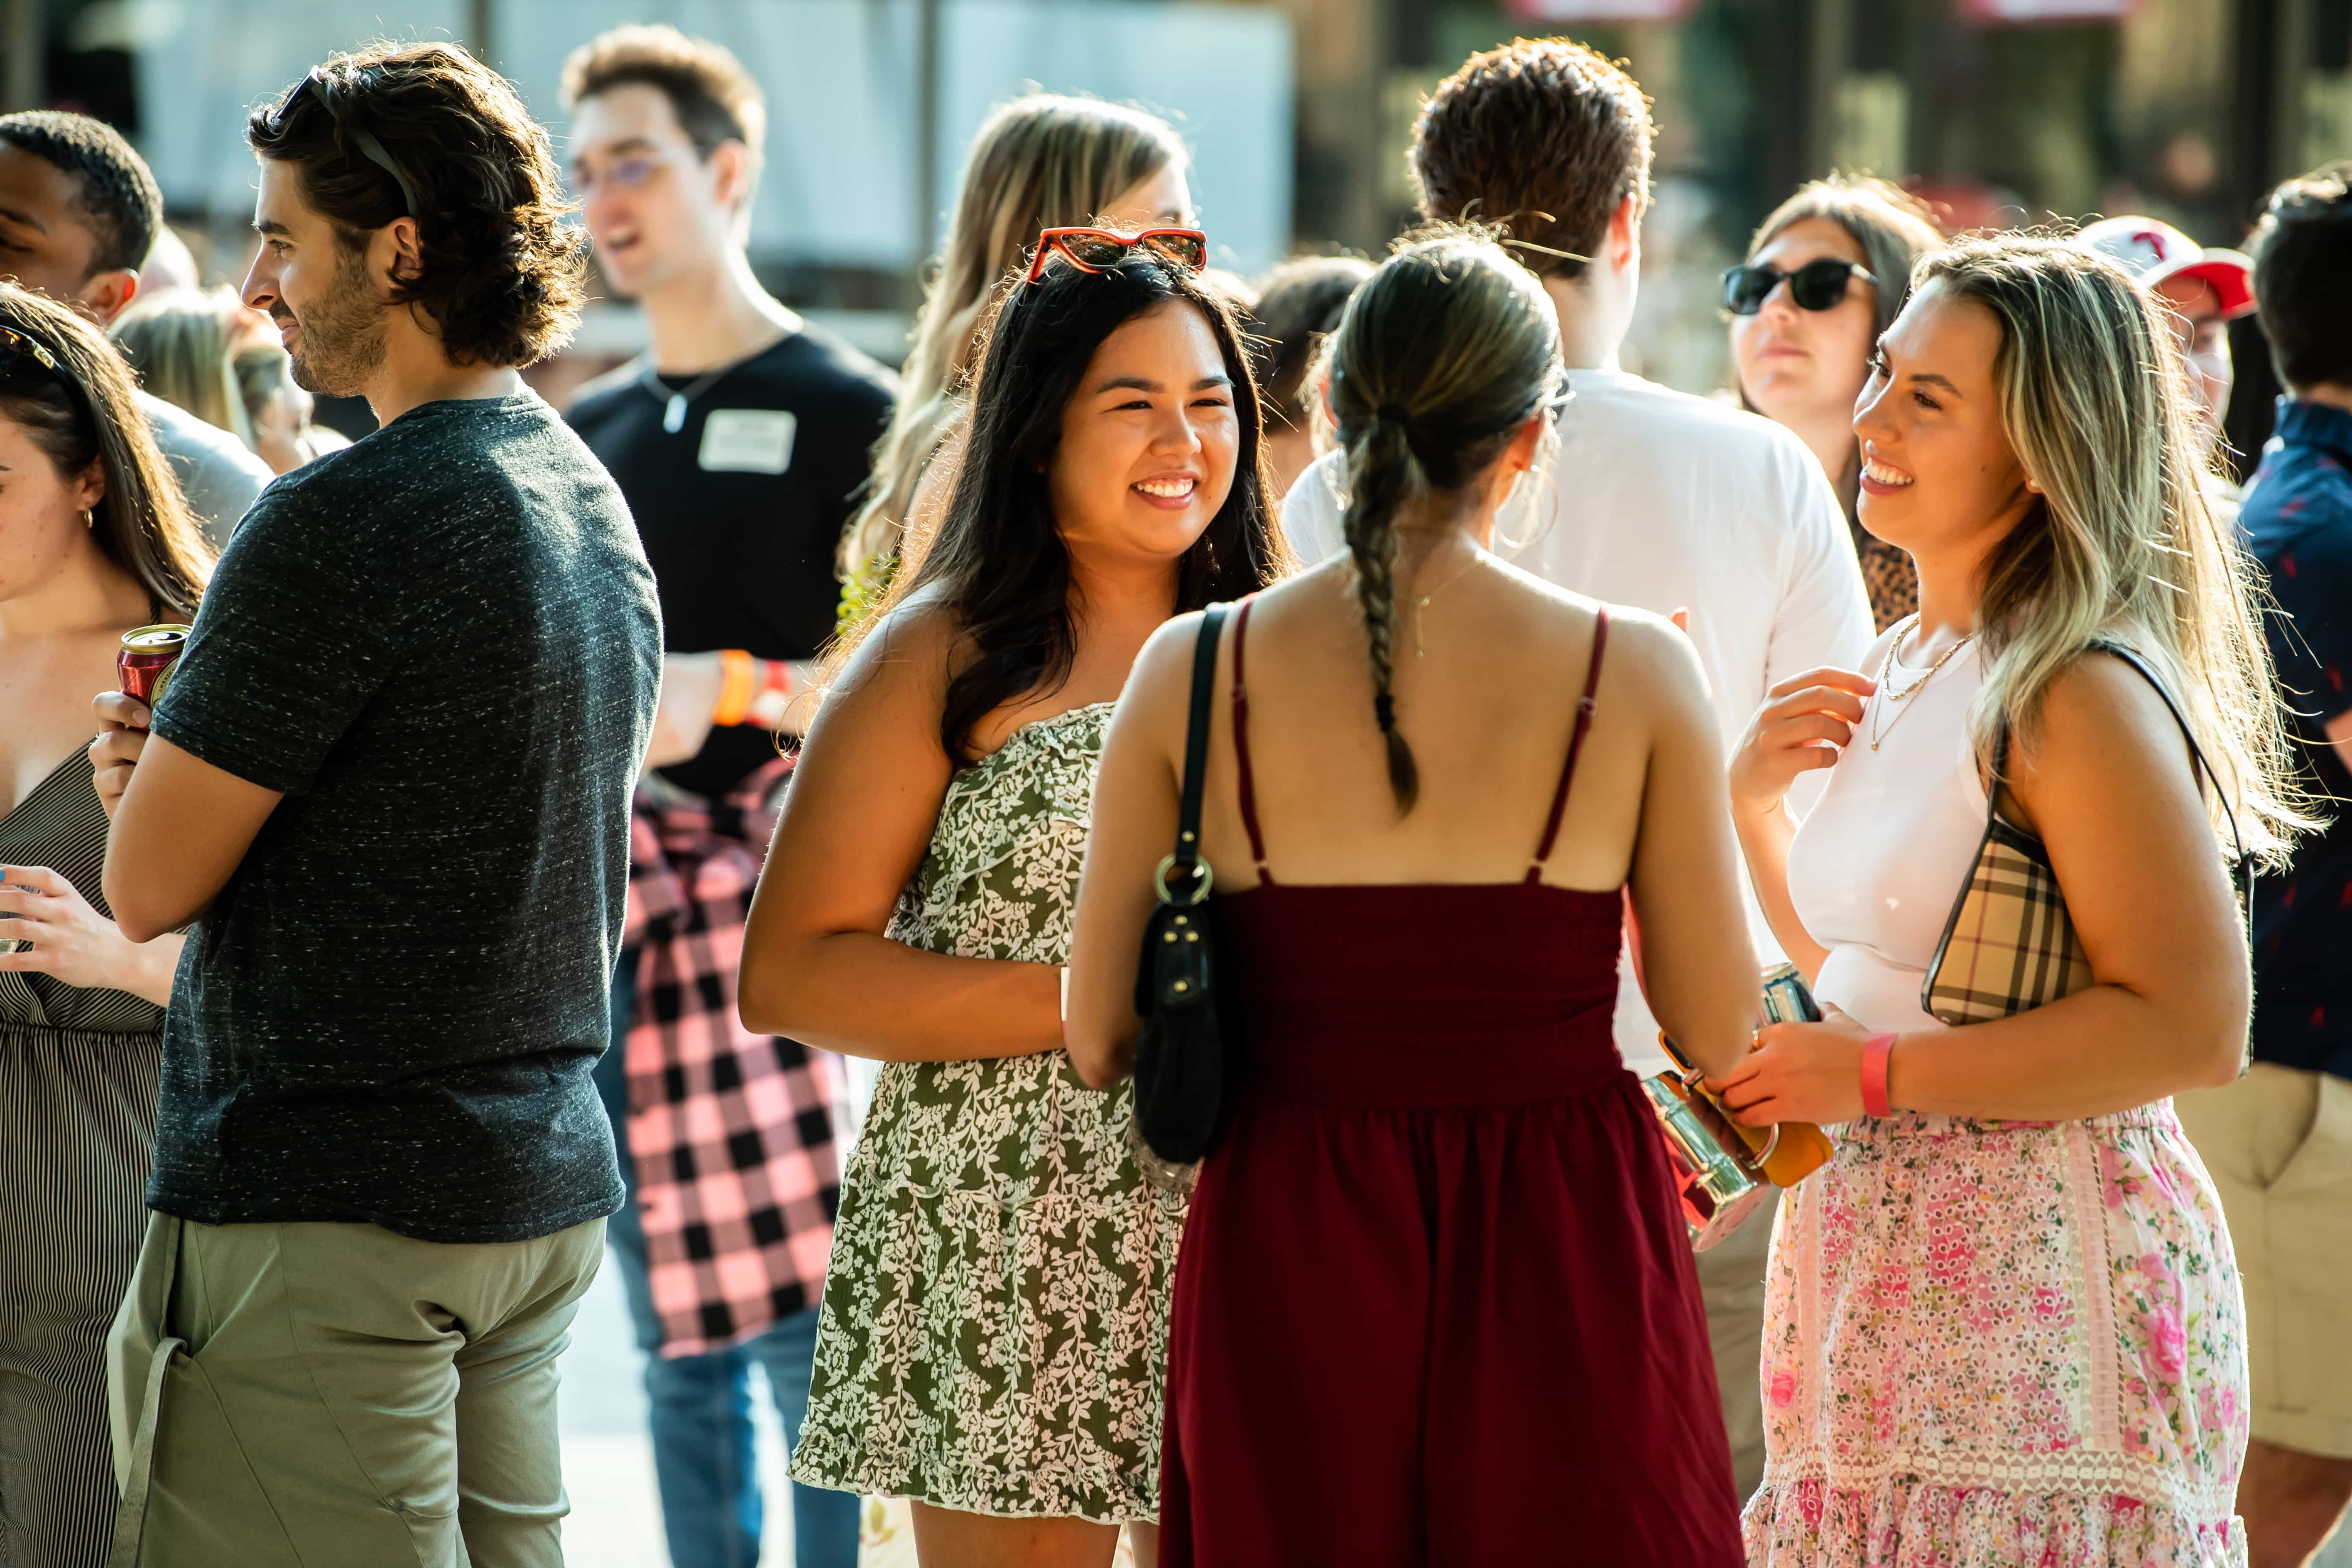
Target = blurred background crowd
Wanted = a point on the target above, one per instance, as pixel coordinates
(1297, 111)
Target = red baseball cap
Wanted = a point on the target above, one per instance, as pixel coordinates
(2156, 252)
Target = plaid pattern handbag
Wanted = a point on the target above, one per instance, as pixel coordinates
(2009, 944)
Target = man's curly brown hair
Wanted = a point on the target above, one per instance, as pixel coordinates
(500, 275)
(1542, 136)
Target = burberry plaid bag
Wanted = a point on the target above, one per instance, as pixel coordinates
(2008, 944)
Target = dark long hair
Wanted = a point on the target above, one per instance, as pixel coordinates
(997, 563)
(88, 411)
(1443, 356)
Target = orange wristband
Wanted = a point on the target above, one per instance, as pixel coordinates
(737, 673)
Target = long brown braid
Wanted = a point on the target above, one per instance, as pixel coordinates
(1443, 355)
(1380, 474)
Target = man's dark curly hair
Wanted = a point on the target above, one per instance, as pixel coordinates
(113, 187)
(1542, 136)
(501, 276)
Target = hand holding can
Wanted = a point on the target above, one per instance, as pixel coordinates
(143, 666)
(144, 669)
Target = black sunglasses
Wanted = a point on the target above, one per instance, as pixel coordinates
(16, 347)
(1815, 286)
(317, 87)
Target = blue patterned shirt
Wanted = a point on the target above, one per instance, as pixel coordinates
(2298, 522)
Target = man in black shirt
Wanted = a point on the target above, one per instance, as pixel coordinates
(739, 440)
(389, 783)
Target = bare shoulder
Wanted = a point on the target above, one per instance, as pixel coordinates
(901, 669)
(2100, 728)
(1165, 665)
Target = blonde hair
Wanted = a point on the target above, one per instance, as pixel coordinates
(1043, 161)
(1443, 356)
(2122, 543)
(180, 343)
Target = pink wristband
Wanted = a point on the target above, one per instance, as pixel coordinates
(1875, 1056)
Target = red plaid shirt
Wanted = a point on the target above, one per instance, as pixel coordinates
(733, 1133)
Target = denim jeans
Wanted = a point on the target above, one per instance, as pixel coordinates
(701, 1405)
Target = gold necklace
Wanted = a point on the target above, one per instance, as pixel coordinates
(1888, 693)
(1421, 604)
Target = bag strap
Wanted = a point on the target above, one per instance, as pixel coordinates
(2245, 867)
(2244, 864)
(1186, 857)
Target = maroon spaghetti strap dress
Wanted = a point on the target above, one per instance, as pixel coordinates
(1434, 1302)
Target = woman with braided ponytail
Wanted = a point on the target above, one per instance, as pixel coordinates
(1434, 1300)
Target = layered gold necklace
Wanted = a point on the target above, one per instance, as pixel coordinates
(1901, 697)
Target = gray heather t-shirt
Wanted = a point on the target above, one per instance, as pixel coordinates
(442, 645)
(217, 475)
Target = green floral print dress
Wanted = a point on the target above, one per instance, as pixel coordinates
(996, 1321)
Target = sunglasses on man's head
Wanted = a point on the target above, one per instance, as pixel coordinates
(346, 121)
(1100, 249)
(1815, 286)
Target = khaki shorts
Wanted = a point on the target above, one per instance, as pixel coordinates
(2278, 1145)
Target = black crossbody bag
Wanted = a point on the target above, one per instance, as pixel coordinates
(1185, 1066)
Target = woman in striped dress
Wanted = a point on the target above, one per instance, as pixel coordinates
(94, 541)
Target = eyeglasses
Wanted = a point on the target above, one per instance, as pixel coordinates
(318, 87)
(1815, 286)
(623, 174)
(1100, 249)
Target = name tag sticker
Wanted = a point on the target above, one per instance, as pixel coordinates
(748, 440)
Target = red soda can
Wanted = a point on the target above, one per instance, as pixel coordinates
(144, 667)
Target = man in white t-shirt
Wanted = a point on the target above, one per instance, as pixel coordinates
(1656, 499)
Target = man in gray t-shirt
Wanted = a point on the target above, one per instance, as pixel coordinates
(78, 212)
(390, 787)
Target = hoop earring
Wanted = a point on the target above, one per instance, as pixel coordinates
(1545, 454)
(90, 518)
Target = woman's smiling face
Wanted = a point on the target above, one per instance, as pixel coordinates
(1149, 441)
(1939, 474)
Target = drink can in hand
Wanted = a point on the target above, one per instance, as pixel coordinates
(144, 667)
(1786, 998)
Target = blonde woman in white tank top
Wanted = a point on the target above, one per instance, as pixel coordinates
(2004, 1325)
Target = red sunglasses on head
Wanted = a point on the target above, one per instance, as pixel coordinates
(1099, 249)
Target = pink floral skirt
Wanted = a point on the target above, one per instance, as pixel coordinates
(1993, 1344)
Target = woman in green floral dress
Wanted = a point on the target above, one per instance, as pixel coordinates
(995, 1321)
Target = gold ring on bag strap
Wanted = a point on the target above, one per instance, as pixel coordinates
(1201, 879)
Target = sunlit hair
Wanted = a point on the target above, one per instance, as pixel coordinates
(180, 343)
(499, 271)
(996, 563)
(2122, 543)
(1443, 355)
(141, 523)
(1041, 161)
(1894, 229)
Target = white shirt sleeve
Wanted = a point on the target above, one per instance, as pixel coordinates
(1823, 615)
(1310, 512)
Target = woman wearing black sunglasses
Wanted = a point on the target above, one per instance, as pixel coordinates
(95, 541)
(1825, 275)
